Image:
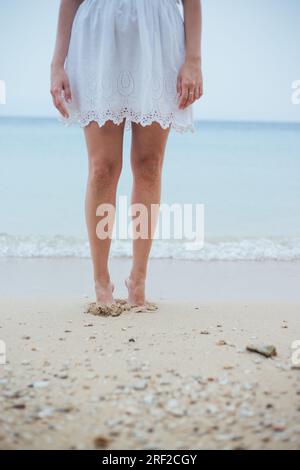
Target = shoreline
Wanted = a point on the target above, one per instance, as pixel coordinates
(168, 279)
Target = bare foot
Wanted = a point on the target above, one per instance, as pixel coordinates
(136, 292)
(104, 293)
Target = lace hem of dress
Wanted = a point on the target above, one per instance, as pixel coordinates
(165, 121)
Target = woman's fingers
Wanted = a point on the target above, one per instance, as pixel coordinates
(67, 91)
(188, 96)
(201, 89)
(58, 102)
(190, 92)
(184, 96)
(198, 92)
(60, 90)
(191, 96)
(191, 84)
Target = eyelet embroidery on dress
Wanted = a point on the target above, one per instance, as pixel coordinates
(125, 83)
(165, 121)
(99, 95)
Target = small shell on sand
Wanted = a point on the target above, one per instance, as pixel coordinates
(118, 307)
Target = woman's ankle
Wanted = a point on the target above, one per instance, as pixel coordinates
(137, 278)
(102, 280)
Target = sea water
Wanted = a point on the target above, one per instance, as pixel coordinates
(247, 176)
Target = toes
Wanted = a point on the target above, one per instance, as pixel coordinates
(146, 307)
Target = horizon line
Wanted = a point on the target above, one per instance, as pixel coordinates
(196, 120)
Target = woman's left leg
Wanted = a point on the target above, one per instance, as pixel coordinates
(105, 147)
(147, 155)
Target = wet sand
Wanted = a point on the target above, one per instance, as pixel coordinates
(182, 280)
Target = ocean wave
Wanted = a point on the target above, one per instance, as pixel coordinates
(250, 249)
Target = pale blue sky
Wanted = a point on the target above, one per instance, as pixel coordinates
(251, 56)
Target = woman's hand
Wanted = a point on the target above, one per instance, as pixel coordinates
(60, 88)
(189, 83)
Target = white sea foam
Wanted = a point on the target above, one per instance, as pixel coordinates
(251, 249)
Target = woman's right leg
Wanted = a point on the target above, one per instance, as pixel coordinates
(105, 148)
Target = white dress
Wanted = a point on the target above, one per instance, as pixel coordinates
(123, 62)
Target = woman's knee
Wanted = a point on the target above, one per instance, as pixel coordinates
(147, 164)
(104, 170)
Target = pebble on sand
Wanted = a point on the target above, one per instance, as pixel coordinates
(101, 442)
(264, 350)
(40, 384)
(140, 385)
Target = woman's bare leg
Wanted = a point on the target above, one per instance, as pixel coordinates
(105, 147)
(147, 154)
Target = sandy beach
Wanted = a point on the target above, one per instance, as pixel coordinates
(179, 377)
